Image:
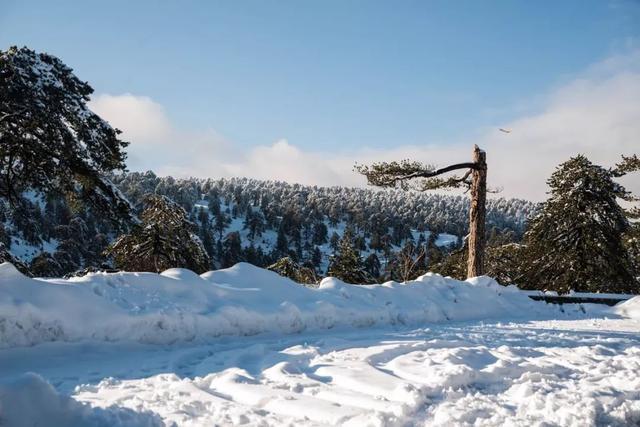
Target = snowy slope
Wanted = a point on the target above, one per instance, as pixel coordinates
(179, 305)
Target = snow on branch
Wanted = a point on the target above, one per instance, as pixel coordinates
(627, 165)
(399, 174)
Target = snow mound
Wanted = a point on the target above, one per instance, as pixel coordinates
(179, 305)
(629, 308)
(31, 401)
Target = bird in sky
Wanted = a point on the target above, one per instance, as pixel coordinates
(505, 130)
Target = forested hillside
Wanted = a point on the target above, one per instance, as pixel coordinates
(256, 221)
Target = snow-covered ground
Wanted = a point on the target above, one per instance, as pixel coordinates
(431, 352)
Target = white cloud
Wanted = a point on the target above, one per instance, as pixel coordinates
(156, 144)
(597, 114)
(143, 120)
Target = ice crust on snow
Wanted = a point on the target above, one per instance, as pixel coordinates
(179, 305)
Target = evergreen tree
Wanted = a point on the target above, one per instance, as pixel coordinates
(334, 241)
(221, 224)
(372, 265)
(45, 265)
(320, 233)
(282, 245)
(165, 239)
(254, 223)
(254, 256)
(289, 268)
(316, 257)
(346, 264)
(575, 243)
(632, 244)
(50, 140)
(231, 250)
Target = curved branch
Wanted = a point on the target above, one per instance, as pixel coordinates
(394, 173)
(450, 168)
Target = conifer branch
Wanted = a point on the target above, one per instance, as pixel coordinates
(393, 174)
(627, 165)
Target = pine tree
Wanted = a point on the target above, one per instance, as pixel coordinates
(165, 239)
(372, 265)
(289, 268)
(319, 233)
(316, 257)
(282, 245)
(575, 243)
(254, 255)
(50, 140)
(346, 264)
(231, 250)
(334, 241)
(45, 265)
(632, 244)
(254, 222)
(221, 224)
(403, 174)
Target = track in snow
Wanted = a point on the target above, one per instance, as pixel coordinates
(581, 372)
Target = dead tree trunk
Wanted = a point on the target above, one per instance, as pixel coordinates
(477, 214)
(396, 174)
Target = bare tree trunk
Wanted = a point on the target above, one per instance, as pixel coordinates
(477, 214)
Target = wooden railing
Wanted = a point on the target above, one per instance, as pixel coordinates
(573, 299)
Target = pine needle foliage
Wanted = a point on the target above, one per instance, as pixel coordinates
(50, 140)
(576, 241)
(346, 263)
(165, 239)
(289, 268)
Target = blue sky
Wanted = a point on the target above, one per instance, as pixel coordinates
(329, 76)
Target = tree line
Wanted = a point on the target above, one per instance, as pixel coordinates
(67, 203)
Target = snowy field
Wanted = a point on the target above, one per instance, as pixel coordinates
(245, 347)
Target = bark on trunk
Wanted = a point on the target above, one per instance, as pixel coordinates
(477, 214)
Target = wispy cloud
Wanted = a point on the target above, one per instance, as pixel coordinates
(597, 114)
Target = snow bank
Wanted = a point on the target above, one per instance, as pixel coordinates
(31, 401)
(179, 305)
(629, 308)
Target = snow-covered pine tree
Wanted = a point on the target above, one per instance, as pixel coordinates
(575, 242)
(632, 244)
(231, 250)
(289, 268)
(49, 139)
(165, 239)
(346, 263)
(372, 266)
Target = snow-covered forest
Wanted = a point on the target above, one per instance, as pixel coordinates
(254, 221)
(132, 299)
